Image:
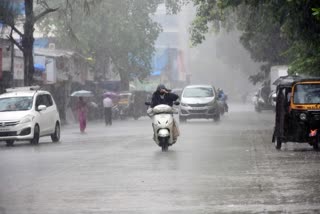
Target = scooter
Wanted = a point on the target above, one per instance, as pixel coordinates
(162, 116)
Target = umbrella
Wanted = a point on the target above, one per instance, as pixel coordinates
(82, 93)
(110, 94)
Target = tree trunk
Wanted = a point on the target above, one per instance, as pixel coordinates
(27, 43)
(124, 80)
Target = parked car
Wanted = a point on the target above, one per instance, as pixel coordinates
(199, 101)
(28, 113)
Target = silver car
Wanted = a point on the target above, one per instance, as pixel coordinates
(199, 101)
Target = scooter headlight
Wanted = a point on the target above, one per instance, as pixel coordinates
(303, 116)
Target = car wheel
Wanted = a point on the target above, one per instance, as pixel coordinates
(36, 135)
(9, 143)
(55, 137)
(182, 119)
(258, 109)
(216, 118)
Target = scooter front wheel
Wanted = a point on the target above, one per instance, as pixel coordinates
(164, 144)
(164, 148)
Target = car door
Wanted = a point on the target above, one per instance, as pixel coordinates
(51, 113)
(42, 115)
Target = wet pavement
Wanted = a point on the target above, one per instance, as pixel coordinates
(225, 167)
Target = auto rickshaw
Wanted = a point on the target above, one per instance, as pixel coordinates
(297, 111)
(124, 104)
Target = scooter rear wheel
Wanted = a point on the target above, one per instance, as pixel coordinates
(316, 143)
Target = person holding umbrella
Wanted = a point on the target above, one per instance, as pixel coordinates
(82, 110)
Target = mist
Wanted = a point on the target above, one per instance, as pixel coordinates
(221, 60)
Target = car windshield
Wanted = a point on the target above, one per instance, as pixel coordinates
(306, 94)
(15, 104)
(198, 92)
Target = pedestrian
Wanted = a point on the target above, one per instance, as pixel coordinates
(107, 105)
(82, 110)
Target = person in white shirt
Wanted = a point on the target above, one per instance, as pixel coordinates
(107, 104)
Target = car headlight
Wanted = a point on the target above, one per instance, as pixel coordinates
(303, 116)
(27, 119)
(184, 104)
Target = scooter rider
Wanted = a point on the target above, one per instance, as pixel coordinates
(223, 97)
(163, 96)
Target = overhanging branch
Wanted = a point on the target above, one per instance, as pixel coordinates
(17, 31)
(44, 13)
(10, 37)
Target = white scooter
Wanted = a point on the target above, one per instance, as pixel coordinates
(162, 116)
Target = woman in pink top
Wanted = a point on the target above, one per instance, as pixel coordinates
(82, 114)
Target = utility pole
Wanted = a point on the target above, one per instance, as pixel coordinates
(12, 66)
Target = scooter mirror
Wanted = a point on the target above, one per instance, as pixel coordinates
(176, 103)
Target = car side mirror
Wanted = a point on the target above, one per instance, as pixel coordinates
(42, 107)
(147, 103)
(176, 103)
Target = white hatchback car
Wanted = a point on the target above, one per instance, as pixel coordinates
(199, 101)
(28, 113)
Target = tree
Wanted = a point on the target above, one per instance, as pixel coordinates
(274, 32)
(11, 18)
(121, 32)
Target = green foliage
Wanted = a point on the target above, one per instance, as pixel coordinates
(274, 32)
(120, 30)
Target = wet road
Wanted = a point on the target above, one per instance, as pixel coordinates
(229, 167)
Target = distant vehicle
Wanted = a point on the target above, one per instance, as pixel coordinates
(263, 100)
(124, 104)
(28, 113)
(199, 101)
(275, 73)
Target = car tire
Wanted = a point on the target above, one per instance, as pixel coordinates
(36, 135)
(258, 109)
(55, 137)
(9, 143)
(216, 118)
(182, 119)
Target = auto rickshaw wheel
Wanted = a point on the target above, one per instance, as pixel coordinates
(316, 143)
(278, 143)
